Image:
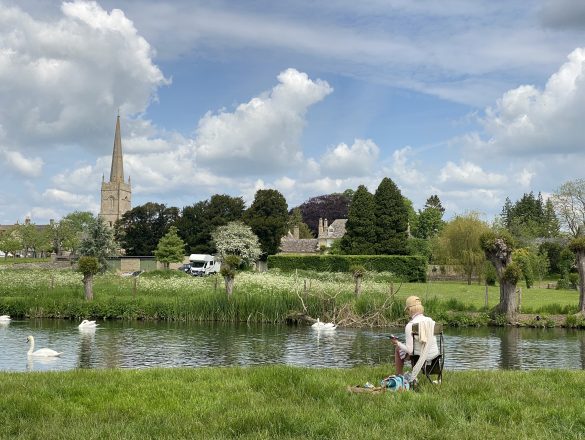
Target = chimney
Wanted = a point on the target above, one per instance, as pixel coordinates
(296, 232)
(325, 227)
(320, 231)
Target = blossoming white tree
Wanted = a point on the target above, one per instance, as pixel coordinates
(236, 238)
(236, 244)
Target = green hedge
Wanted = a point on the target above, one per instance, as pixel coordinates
(408, 268)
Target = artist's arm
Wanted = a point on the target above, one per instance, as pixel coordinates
(409, 346)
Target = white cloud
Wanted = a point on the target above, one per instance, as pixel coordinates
(70, 200)
(403, 171)
(357, 160)
(26, 166)
(262, 134)
(470, 174)
(65, 78)
(529, 121)
(524, 178)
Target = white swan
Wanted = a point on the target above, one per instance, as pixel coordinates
(5, 318)
(46, 352)
(323, 325)
(87, 325)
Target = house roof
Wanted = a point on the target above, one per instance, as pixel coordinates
(299, 245)
(337, 228)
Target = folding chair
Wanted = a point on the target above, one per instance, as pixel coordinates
(432, 367)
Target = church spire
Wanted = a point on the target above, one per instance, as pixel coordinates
(117, 172)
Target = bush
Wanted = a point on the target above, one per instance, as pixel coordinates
(407, 268)
(490, 274)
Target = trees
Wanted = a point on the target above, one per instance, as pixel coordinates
(268, 217)
(577, 245)
(170, 248)
(236, 238)
(498, 248)
(330, 206)
(88, 266)
(229, 267)
(10, 242)
(430, 220)
(67, 233)
(140, 229)
(391, 219)
(98, 242)
(198, 221)
(530, 217)
(360, 229)
(295, 220)
(459, 243)
(569, 202)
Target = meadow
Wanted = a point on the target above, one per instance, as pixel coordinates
(288, 403)
(272, 297)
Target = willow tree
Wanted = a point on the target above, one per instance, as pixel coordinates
(459, 243)
(498, 248)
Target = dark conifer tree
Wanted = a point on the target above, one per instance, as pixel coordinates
(391, 219)
(268, 218)
(360, 229)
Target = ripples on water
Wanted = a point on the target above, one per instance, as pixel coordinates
(141, 345)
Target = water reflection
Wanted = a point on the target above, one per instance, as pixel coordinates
(143, 345)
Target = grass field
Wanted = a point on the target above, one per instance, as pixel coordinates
(288, 403)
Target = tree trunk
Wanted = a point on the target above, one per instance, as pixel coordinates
(508, 303)
(358, 286)
(581, 270)
(87, 287)
(229, 285)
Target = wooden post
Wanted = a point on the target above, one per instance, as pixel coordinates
(215, 285)
(134, 286)
(486, 296)
(52, 281)
(519, 298)
(305, 287)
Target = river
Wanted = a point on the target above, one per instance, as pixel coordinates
(137, 344)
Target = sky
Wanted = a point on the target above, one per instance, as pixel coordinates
(474, 101)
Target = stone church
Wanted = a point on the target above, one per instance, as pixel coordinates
(116, 194)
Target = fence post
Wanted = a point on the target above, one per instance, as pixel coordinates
(134, 286)
(486, 296)
(52, 281)
(519, 298)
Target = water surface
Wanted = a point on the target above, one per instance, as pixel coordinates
(121, 344)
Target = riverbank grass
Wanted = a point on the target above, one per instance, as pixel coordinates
(286, 402)
(260, 297)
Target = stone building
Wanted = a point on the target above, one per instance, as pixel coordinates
(116, 197)
(329, 233)
(292, 244)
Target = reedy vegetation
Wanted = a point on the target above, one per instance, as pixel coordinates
(258, 297)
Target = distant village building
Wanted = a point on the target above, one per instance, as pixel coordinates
(116, 198)
(292, 244)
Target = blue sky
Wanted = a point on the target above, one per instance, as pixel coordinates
(473, 101)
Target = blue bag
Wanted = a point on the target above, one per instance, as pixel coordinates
(396, 383)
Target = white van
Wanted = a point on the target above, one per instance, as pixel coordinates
(203, 264)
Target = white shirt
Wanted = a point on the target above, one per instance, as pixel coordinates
(412, 346)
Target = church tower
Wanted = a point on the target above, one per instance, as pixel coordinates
(116, 194)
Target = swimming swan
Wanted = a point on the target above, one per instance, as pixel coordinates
(323, 325)
(85, 324)
(46, 352)
(5, 318)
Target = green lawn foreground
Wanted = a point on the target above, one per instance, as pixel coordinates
(288, 402)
